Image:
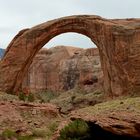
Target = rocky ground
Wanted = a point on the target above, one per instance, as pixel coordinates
(43, 121)
(38, 120)
(121, 116)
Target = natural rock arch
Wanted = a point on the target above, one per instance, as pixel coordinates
(118, 42)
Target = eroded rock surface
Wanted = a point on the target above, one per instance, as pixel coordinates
(121, 117)
(118, 41)
(118, 118)
(63, 68)
(24, 117)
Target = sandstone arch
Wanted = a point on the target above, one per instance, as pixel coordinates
(118, 42)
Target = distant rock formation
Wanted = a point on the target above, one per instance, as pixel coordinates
(63, 68)
(1, 52)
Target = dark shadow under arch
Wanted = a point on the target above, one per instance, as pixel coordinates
(98, 133)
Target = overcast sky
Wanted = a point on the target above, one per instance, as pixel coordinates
(16, 15)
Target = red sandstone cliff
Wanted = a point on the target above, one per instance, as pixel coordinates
(62, 68)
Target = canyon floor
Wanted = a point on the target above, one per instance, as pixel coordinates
(41, 120)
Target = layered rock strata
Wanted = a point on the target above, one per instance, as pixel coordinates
(118, 41)
(63, 68)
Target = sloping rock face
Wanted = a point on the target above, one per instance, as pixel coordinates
(110, 120)
(120, 117)
(25, 117)
(117, 40)
(63, 68)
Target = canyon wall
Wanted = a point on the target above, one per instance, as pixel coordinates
(63, 68)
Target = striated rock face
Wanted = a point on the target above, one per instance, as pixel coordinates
(118, 41)
(62, 68)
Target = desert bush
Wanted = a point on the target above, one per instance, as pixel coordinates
(76, 130)
(7, 97)
(31, 97)
(53, 126)
(73, 98)
(28, 98)
(10, 134)
(79, 90)
(39, 133)
(50, 129)
(46, 96)
(22, 96)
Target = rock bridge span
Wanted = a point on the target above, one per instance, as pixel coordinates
(118, 41)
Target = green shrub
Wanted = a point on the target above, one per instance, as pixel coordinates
(76, 130)
(8, 134)
(51, 129)
(46, 96)
(22, 96)
(79, 90)
(53, 126)
(73, 98)
(31, 97)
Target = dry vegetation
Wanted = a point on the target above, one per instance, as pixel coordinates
(25, 120)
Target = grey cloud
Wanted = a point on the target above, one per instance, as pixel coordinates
(16, 15)
(71, 39)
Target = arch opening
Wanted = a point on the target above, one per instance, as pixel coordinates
(63, 67)
(71, 39)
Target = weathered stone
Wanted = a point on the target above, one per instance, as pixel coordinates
(62, 68)
(22, 117)
(119, 118)
(117, 40)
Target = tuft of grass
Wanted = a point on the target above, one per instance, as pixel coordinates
(72, 100)
(53, 126)
(51, 129)
(31, 97)
(28, 98)
(7, 97)
(46, 96)
(41, 133)
(128, 104)
(8, 134)
(22, 96)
